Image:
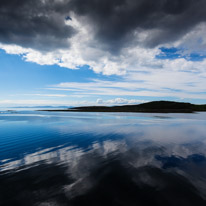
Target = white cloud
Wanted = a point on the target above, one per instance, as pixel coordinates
(120, 101)
(100, 101)
(156, 83)
(194, 41)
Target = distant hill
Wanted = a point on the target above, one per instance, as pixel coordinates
(150, 107)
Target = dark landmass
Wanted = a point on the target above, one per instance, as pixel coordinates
(150, 107)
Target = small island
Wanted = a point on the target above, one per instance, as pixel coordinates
(150, 107)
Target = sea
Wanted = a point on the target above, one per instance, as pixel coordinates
(102, 159)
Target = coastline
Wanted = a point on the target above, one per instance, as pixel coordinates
(150, 107)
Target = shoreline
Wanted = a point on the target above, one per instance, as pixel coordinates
(150, 107)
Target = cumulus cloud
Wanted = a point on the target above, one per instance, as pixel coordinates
(120, 101)
(99, 101)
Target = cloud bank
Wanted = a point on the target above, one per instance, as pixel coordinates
(111, 37)
(116, 24)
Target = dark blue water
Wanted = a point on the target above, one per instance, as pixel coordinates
(61, 158)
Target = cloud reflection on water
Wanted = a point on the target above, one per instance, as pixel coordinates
(153, 159)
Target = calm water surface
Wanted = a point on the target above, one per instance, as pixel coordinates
(61, 158)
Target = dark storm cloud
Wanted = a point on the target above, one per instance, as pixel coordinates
(40, 24)
(166, 20)
(36, 24)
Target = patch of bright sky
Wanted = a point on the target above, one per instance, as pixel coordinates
(26, 83)
(20, 80)
(175, 53)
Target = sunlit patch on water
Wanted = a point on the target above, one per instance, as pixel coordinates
(102, 159)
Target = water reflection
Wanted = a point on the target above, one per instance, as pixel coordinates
(102, 159)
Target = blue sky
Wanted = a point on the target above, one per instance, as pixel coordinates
(94, 56)
(28, 84)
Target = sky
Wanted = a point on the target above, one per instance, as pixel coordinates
(94, 52)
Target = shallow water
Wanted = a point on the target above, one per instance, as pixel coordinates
(61, 158)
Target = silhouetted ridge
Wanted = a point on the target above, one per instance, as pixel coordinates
(151, 107)
(166, 105)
